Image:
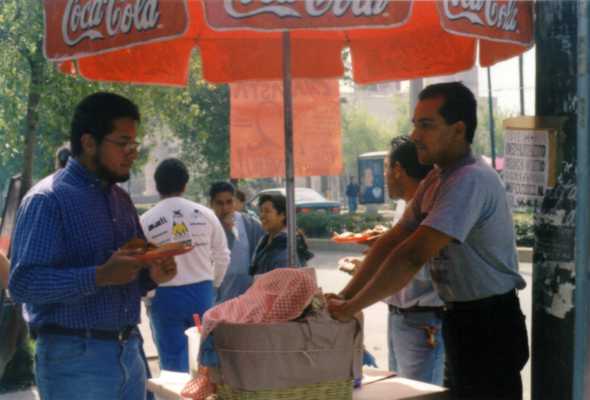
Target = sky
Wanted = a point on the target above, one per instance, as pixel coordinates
(505, 83)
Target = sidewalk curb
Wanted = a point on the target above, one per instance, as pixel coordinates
(525, 254)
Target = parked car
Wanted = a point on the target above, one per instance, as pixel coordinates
(306, 201)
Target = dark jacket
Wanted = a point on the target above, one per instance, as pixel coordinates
(269, 256)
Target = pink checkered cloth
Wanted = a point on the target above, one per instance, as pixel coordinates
(278, 296)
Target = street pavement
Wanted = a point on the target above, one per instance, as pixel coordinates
(375, 317)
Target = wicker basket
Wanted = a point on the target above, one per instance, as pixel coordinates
(335, 390)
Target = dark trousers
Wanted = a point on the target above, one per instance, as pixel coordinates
(486, 347)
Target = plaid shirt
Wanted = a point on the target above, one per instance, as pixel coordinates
(66, 226)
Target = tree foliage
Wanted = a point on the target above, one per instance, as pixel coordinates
(199, 117)
(361, 132)
(37, 102)
(482, 142)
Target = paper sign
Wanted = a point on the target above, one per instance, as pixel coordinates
(531, 159)
(526, 155)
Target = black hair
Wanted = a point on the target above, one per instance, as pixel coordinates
(96, 114)
(62, 156)
(403, 151)
(240, 195)
(171, 176)
(220, 187)
(459, 104)
(279, 202)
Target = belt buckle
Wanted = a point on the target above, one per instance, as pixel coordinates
(125, 333)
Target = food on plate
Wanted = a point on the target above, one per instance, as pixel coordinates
(149, 251)
(349, 264)
(365, 236)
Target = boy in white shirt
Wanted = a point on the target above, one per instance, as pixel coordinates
(176, 219)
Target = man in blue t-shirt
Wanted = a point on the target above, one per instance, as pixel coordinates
(243, 232)
(461, 223)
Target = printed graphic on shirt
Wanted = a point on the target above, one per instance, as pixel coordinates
(158, 223)
(196, 221)
(439, 268)
(180, 232)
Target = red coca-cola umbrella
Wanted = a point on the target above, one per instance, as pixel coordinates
(152, 41)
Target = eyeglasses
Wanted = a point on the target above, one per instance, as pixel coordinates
(125, 146)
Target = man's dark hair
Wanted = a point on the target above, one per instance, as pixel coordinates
(459, 104)
(221, 187)
(240, 195)
(171, 176)
(96, 114)
(279, 202)
(62, 156)
(403, 151)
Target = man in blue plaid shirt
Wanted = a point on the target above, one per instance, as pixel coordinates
(81, 290)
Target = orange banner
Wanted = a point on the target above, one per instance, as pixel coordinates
(257, 132)
(75, 28)
(272, 15)
(508, 21)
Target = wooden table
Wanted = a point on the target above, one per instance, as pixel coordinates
(378, 386)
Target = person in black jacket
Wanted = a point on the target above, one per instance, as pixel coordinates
(271, 252)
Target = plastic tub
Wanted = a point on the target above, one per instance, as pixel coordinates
(194, 340)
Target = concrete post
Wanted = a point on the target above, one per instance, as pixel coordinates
(554, 254)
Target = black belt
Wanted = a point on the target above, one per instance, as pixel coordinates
(482, 303)
(414, 309)
(120, 335)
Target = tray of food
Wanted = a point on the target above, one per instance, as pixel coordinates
(365, 236)
(349, 264)
(148, 251)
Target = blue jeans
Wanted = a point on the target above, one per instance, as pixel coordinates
(410, 354)
(71, 367)
(352, 203)
(171, 313)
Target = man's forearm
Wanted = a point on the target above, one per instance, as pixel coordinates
(393, 274)
(378, 252)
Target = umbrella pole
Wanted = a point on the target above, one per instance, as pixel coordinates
(491, 117)
(289, 170)
(521, 83)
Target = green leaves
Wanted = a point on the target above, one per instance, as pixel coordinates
(197, 117)
(362, 133)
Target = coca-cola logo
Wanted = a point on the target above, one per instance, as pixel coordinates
(312, 8)
(487, 13)
(97, 18)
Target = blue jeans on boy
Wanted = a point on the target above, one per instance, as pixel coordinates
(410, 353)
(72, 367)
(171, 313)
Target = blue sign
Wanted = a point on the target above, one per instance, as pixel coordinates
(371, 175)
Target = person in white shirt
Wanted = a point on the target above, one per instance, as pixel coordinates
(191, 291)
(414, 331)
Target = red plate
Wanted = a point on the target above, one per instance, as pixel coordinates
(352, 239)
(164, 252)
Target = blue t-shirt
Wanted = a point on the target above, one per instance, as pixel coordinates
(467, 202)
(237, 279)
